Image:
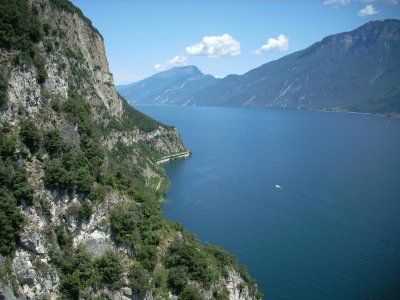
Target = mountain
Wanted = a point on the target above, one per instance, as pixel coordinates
(168, 87)
(352, 71)
(80, 183)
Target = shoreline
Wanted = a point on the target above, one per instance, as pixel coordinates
(168, 158)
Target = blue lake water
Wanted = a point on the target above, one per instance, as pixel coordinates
(332, 231)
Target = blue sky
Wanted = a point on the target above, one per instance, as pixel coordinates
(143, 37)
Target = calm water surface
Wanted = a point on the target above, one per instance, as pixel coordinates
(332, 231)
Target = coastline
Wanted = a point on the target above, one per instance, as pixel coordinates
(175, 156)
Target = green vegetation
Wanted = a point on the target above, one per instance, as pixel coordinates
(133, 118)
(191, 293)
(187, 253)
(110, 269)
(53, 143)
(31, 136)
(3, 87)
(79, 271)
(178, 278)
(11, 222)
(14, 190)
(74, 168)
(20, 28)
(67, 6)
(82, 212)
(139, 280)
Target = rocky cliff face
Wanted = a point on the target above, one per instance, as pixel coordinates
(79, 202)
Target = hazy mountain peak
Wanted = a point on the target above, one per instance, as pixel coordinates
(173, 86)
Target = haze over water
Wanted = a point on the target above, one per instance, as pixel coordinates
(309, 201)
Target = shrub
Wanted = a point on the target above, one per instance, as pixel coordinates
(40, 64)
(82, 212)
(30, 135)
(20, 187)
(20, 28)
(223, 258)
(221, 295)
(139, 280)
(97, 193)
(53, 143)
(188, 253)
(109, 269)
(123, 222)
(3, 89)
(69, 172)
(190, 293)
(55, 175)
(77, 274)
(178, 278)
(147, 256)
(11, 222)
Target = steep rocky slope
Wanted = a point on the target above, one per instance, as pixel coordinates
(169, 87)
(79, 186)
(351, 71)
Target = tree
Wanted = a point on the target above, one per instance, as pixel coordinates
(11, 222)
(190, 293)
(31, 136)
(53, 143)
(178, 278)
(139, 280)
(109, 268)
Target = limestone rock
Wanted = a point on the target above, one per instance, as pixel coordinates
(33, 241)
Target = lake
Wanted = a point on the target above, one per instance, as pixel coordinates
(309, 201)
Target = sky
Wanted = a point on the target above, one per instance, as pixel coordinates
(221, 37)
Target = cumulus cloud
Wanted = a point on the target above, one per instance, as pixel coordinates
(342, 2)
(177, 61)
(368, 11)
(281, 43)
(215, 46)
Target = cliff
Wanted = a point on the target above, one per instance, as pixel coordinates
(80, 186)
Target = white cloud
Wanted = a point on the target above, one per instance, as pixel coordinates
(368, 11)
(342, 2)
(177, 61)
(215, 46)
(382, 1)
(281, 43)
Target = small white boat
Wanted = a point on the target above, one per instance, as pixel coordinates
(278, 186)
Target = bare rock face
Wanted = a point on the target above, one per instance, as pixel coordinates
(6, 292)
(237, 290)
(33, 241)
(35, 276)
(95, 235)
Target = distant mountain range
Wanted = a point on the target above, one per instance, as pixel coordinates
(352, 71)
(174, 86)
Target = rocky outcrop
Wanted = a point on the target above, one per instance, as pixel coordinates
(237, 288)
(35, 275)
